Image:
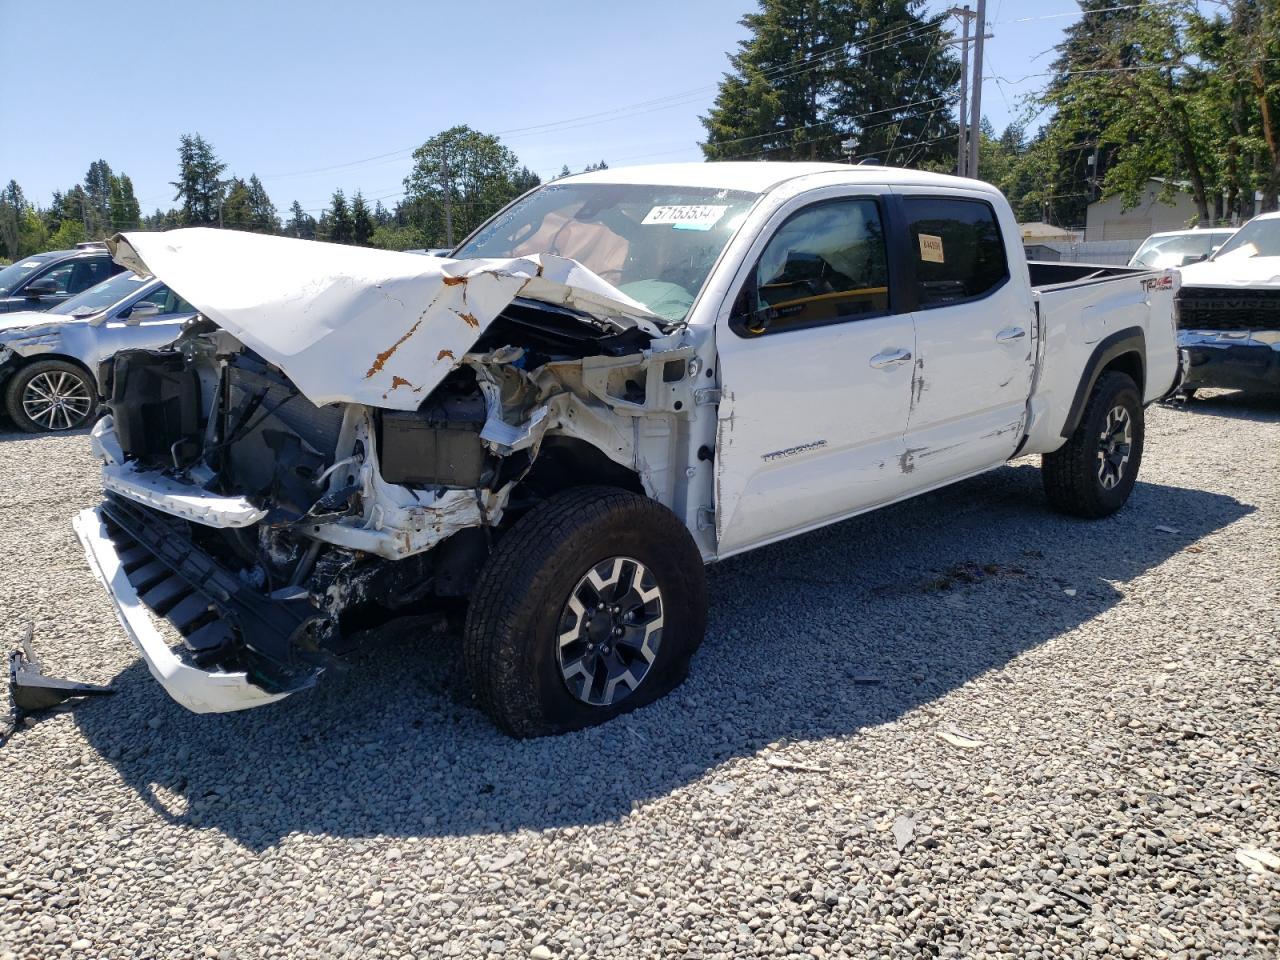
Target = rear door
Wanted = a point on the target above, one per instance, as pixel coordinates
(815, 364)
(974, 338)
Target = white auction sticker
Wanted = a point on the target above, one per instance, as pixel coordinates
(692, 216)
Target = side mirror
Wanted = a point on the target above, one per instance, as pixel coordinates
(141, 311)
(35, 291)
(1190, 258)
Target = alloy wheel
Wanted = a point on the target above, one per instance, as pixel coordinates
(57, 400)
(610, 631)
(1114, 445)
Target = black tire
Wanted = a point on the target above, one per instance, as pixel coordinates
(1086, 476)
(519, 607)
(31, 413)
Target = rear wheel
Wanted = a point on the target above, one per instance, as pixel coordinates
(592, 605)
(1093, 473)
(51, 396)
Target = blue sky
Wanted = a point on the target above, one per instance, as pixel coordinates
(319, 95)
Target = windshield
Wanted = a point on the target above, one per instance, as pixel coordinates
(11, 277)
(1257, 238)
(1178, 250)
(98, 298)
(655, 244)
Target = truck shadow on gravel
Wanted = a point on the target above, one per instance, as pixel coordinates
(820, 636)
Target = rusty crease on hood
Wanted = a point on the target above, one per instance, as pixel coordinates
(380, 360)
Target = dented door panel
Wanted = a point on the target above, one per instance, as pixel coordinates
(976, 356)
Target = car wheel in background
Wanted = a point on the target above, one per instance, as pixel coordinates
(51, 396)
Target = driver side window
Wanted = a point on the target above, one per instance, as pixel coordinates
(827, 264)
(59, 278)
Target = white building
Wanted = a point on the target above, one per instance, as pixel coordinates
(1107, 220)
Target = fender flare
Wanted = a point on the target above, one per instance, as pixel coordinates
(1128, 340)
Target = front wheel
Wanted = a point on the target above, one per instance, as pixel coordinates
(1093, 473)
(592, 605)
(51, 396)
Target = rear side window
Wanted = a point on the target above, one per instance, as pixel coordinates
(957, 249)
(827, 264)
(88, 273)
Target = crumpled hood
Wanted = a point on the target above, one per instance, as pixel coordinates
(28, 322)
(1233, 271)
(356, 324)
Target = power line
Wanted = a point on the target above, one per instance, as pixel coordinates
(891, 37)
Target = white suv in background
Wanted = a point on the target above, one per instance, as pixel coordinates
(1178, 248)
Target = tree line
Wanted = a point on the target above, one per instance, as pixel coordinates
(1157, 89)
(1137, 90)
(459, 178)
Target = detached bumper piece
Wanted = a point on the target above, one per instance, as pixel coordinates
(31, 691)
(239, 647)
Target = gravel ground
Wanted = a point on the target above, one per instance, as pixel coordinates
(960, 727)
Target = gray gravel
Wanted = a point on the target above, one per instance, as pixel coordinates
(961, 727)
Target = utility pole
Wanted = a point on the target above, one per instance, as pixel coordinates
(962, 153)
(448, 197)
(975, 116)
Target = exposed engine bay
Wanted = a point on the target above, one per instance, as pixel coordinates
(262, 524)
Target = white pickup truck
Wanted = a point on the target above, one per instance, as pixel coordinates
(620, 377)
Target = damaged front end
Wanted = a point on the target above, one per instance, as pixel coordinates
(248, 522)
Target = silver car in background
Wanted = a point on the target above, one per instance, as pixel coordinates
(49, 360)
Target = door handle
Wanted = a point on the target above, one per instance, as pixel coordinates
(890, 358)
(1010, 334)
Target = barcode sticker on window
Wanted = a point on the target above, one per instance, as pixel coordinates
(931, 248)
(688, 216)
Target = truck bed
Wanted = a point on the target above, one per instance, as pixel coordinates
(1083, 311)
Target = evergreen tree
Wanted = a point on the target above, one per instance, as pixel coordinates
(892, 84)
(75, 218)
(766, 108)
(361, 222)
(301, 224)
(816, 72)
(339, 220)
(98, 183)
(237, 210)
(13, 208)
(262, 212)
(52, 214)
(524, 180)
(198, 185)
(124, 212)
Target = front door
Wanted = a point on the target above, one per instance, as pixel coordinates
(147, 323)
(974, 339)
(815, 367)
